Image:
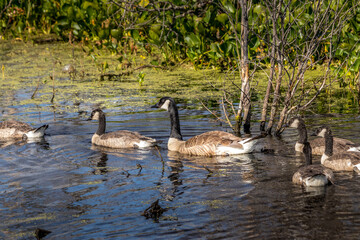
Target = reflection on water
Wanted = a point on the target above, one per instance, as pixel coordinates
(76, 190)
(81, 191)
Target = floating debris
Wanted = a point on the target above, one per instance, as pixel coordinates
(268, 150)
(40, 233)
(154, 211)
(68, 68)
(138, 166)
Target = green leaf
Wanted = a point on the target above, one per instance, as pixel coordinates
(258, 9)
(87, 4)
(63, 21)
(229, 7)
(223, 18)
(144, 3)
(75, 25)
(154, 62)
(112, 9)
(355, 66)
(154, 36)
(135, 34)
(103, 34)
(193, 40)
(70, 13)
(116, 33)
(207, 16)
(156, 28)
(201, 28)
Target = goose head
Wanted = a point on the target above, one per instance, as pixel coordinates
(164, 103)
(95, 114)
(322, 131)
(295, 122)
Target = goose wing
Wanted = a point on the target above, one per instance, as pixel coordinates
(310, 171)
(20, 126)
(340, 145)
(355, 157)
(343, 141)
(125, 135)
(14, 129)
(344, 161)
(214, 138)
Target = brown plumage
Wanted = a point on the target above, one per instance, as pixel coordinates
(118, 139)
(346, 161)
(307, 172)
(214, 137)
(16, 129)
(207, 144)
(343, 161)
(312, 175)
(317, 144)
(340, 145)
(122, 139)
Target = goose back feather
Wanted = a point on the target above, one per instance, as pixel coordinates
(117, 139)
(123, 139)
(343, 161)
(16, 129)
(318, 144)
(207, 144)
(346, 161)
(312, 175)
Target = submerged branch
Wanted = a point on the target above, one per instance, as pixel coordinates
(127, 73)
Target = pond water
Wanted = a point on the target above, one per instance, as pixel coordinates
(78, 191)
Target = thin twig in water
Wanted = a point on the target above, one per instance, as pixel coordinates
(225, 112)
(37, 87)
(139, 166)
(219, 119)
(210, 171)
(161, 158)
(127, 173)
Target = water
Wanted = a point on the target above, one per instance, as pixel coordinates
(79, 191)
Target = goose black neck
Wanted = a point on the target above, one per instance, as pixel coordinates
(102, 124)
(302, 133)
(175, 122)
(329, 144)
(308, 157)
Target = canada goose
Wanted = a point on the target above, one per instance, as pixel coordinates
(207, 144)
(312, 175)
(344, 161)
(318, 144)
(16, 129)
(118, 139)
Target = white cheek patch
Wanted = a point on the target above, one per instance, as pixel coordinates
(166, 105)
(322, 133)
(295, 123)
(323, 158)
(96, 116)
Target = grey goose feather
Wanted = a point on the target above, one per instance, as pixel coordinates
(211, 143)
(318, 144)
(343, 161)
(15, 129)
(312, 175)
(117, 139)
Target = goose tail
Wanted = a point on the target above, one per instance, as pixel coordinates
(38, 132)
(148, 143)
(354, 149)
(316, 181)
(245, 141)
(250, 144)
